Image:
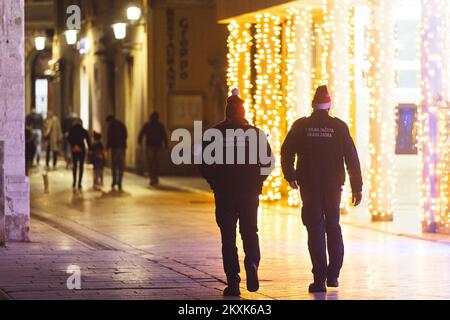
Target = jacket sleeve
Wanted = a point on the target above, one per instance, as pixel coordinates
(124, 132)
(288, 153)
(70, 137)
(268, 166)
(109, 137)
(206, 170)
(141, 134)
(88, 139)
(352, 162)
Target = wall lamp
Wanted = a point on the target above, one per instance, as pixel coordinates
(120, 30)
(39, 42)
(134, 13)
(71, 37)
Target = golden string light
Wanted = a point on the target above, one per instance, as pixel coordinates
(239, 63)
(291, 98)
(268, 94)
(381, 82)
(434, 117)
(299, 73)
(339, 58)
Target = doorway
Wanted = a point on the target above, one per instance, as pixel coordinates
(84, 99)
(41, 96)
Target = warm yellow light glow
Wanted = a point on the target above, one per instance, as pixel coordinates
(264, 102)
(134, 13)
(239, 63)
(298, 73)
(337, 60)
(381, 83)
(268, 94)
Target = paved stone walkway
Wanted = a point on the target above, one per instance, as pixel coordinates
(163, 244)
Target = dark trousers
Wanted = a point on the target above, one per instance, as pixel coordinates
(78, 159)
(54, 154)
(229, 209)
(153, 165)
(117, 166)
(320, 215)
(98, 177)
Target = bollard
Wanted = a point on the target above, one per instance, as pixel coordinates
(46, 183)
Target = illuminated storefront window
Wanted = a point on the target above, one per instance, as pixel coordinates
(278, 57)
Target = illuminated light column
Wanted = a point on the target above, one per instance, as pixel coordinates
(289, 65)
(381, 83)
(304, 73)
(445, 227)
(340, 65)
(268, 98)
(338, 26)
(239, 63)
(434, 117)
(299, 74)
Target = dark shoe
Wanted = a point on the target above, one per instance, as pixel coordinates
(232, 291)
(333, 283)
(252, 278)
(317, 287)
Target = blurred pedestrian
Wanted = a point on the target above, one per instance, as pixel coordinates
(35, 122)
(117, 143)
(30, 148)
(67, 124)
(53, 138)
(236, 190)
(156, 138)
(322, 145)
(98, 156)
(78, 138)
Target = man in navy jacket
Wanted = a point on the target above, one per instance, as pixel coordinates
(322, 145)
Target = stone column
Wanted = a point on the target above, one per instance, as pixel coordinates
(2, 197)
(12, 111)
(433, 116)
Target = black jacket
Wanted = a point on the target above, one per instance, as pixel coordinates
(68, 122)
(236, 178)
(35, 121)
(154, 133)
(322, 145)
(78, 136)
(117, 135)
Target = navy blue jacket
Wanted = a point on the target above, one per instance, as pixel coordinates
(322, 145)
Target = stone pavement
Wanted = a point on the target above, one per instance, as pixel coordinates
(164, 244)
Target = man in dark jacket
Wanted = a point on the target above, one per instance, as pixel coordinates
(78, 137)
(236, 189)
(66, 125)
(322, 145)
(117, 143)
(35, 122)
(156, 138)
